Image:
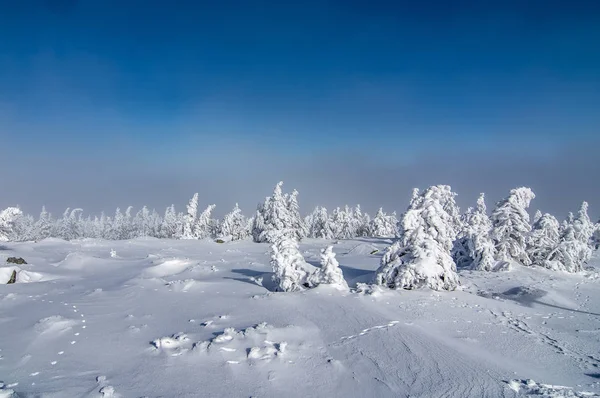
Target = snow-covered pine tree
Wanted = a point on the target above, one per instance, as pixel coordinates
(330, 272)
(290, 271)
(234, 225)
(320, 225)
(571, 254)
(297, 221)
(343, 223)
(362, 223)
(7, 220)
(190, 218)
(461, 253)
(142, 222)
(543, 239)
(169, 225)
(274, 215)
(23, 229)
(69, 226)
(43, 226)
(383, 225)
(583, 226)
(510, 226)
(474, 247)
(421, 256)
(205, 226)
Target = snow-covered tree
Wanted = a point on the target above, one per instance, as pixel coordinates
(362, 223)
(473, 247)
(297, 221)
(571, 253)
(190, 218)
(543, 239)
(330, 272)
(23, 228)
(7, 220)
(43, 226)
(234, 225)
(383, 225)
(69, 227)
(596, 236)
(582, 225)
(274, 215)
(421, 256)
(342, 221)
(320, 226)
(290, 271)
(205, 226)
(169, 228)
(510, 226)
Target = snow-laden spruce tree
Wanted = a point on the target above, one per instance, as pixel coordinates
(362, 223)
(7, 219)
(23, 229)
(474, 248)
(169, 225)
(536, 217)
(330, 272)
(596, 236)
(205, 226)
(320, 226)
(234, 225)
(583, 226)
(274, 215)
(342, 221)
(510, 226)
(543, 238)
(43, 226)
(290, 271)
(298, 224)
(384, 225)
(421, 256)
(190, 218)
(571, 254)
(69, 226)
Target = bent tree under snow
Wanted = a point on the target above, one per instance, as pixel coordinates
(421, 256)
(290, 271)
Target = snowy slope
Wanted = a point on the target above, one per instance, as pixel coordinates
(166, 318)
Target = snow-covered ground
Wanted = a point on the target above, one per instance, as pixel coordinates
(167, 318)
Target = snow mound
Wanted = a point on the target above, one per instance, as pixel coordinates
(6, 392)
(173, 345)
(78, 261)
(54, 325)
(256, 344)
(169, 267)
(22, 275)
(529, 388)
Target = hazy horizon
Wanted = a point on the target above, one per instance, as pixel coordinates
(110, 104)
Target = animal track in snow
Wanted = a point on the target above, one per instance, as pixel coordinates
(520, 326)
(369, 330)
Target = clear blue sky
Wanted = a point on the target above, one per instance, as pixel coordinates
(133, 86)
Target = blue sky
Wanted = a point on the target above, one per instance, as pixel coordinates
(169, 92)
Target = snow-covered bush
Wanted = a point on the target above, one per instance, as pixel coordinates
(510, 226)
(330, 272)
(290, 271)
(421, 256)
